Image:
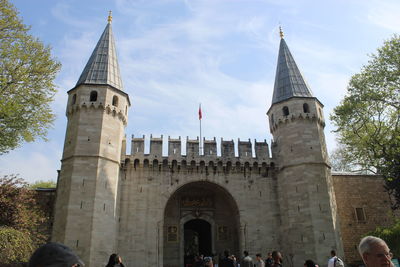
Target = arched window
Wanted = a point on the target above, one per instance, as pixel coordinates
(228, 166)
(115, 101)
(174, 164)
(146, 163)
(285, 111)
(136, 163)
(306, 108)
(93, 96)
(155, 164)
(74, 99)
(193, 164)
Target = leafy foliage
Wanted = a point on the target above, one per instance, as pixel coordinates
(27, 72)
(19, 209)
(340, 161)
(15, 246)
(43, 184)
(391, 235)
(368, 117)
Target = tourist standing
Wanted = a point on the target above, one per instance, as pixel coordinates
(259, 262)
(54, 254)
(226, 261)
(269, 260)
(115, 261)
(375, 252)
(277, 257)
(331, 261)
(247, 261)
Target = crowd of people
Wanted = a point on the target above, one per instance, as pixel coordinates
(373, 251)
(273, 259)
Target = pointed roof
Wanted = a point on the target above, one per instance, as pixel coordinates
(102, 67)
(289, 81)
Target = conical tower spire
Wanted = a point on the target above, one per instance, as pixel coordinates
(289, 81)
(102, 67)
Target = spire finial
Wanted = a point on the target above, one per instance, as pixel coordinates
(281, 32)
(109, 19)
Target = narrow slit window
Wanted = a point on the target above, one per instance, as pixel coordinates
(285, 111)
(115, 101)
(93, 96)
(360, 214)
(306, 108)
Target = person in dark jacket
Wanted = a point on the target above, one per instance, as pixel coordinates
(114, 261)
(55, 254)
(309, 263)
(226, 261)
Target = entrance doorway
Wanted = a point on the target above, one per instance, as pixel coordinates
(197, 239)
(199, 218)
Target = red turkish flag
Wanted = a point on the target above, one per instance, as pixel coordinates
(200, 114)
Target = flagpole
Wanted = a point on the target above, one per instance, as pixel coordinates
(200, 116)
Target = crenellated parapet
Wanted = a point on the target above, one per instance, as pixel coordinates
(90, 97)
(209, 161)
(306, 109)
(92, 106)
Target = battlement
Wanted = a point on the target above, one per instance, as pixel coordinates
(206, 161)
(209, 151)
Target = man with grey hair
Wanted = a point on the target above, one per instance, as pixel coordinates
(375, 252)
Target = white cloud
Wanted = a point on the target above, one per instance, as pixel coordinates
(385, 14)
(32, 162)
(174, 54)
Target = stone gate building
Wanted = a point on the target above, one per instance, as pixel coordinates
(157, 210)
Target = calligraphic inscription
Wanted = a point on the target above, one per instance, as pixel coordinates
(222, 233)
(172, 233)
(197, 202)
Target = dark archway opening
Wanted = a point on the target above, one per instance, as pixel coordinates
(197, 236)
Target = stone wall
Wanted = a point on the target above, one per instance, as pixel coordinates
(363, 204)
(150, 182)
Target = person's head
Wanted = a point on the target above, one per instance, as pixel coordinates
(269, 255)
(208, 261)
(114, 259)
(309, 263)
(226, 253)
(333, 253)
(246, 253)
(374, 252)
(258, 256)
(276, 255)
(54, 254)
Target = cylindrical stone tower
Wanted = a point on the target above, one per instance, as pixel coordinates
(97, 111)
(309, 224)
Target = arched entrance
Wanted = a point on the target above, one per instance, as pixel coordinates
(197, 239)
(199, 218)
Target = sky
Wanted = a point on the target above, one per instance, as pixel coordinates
(175, 54)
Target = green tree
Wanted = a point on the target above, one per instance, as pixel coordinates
(43, 184)
(340, 162)
(19, 208)
(368, 117)
(391, 235)
(15, 246)
(27, 73)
